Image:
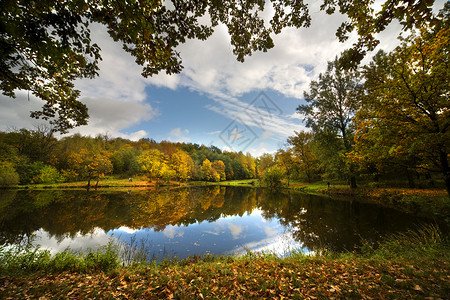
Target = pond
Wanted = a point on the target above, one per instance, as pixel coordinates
(194, 221)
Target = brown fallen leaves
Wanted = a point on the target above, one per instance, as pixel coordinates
(243, 279)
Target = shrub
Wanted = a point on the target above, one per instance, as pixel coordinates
(8, 174)
(272, 177)
(49, 175)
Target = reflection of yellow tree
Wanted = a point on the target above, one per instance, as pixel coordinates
(162, 208)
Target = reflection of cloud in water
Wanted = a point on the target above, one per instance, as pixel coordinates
(280, 245)
(78, 243)
(236, 230)
(127, 230)
(172, 232)
(215, 232)
(270, 231)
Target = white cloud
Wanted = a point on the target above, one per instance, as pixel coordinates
(266, 134)
(80, 242)
(260, 149)
(278, 125)
(110, 116)
(107, 116)
(119, 75)
(179, 135)
(15, 113)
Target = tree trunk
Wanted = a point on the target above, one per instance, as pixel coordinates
(411, 182)
(353, 182)
(445, 169)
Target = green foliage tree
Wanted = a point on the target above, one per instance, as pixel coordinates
(125, 161)
(49, 174)
(29, 173)
(332, 102)
(272, 177)
(8, 175)
(407, 108)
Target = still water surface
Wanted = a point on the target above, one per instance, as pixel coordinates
(194, 221)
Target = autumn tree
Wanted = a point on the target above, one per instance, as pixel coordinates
(152, 162)
(301, 146)
(264, 162)
(219, 167)
(407, 110)
(287, 162)
(272, 177)
(8, 174)
(90, 165)
(182, 164)
(209, 172)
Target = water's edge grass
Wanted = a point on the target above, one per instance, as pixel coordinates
(409, 265)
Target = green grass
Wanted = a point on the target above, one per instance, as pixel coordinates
(107, 182)
(242, 183)
(409, 265)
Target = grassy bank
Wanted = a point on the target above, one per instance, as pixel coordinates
(412, 265)
(109, 182)
(424, 202)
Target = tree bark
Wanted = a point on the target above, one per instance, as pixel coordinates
(445, 169)
(410, 177)
(353, 182)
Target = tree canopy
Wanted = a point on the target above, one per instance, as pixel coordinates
(46, 45)
(332, 102)
(406, 114)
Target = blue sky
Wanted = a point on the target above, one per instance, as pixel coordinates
(183, 115)
(215, 99)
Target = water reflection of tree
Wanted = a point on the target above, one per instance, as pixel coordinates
(322, 223)
(70, 213)
(317, 222)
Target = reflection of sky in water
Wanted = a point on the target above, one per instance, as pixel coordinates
(228, 235)
(78, 243)
(225, 236)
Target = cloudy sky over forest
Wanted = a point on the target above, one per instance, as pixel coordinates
(215, 100)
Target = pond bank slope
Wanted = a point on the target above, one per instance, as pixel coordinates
(412, 265)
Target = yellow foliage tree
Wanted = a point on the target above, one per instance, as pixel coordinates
(181, 163)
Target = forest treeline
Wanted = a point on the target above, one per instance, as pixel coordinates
(36, 156)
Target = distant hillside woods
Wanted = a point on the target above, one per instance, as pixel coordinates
(36, 156)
